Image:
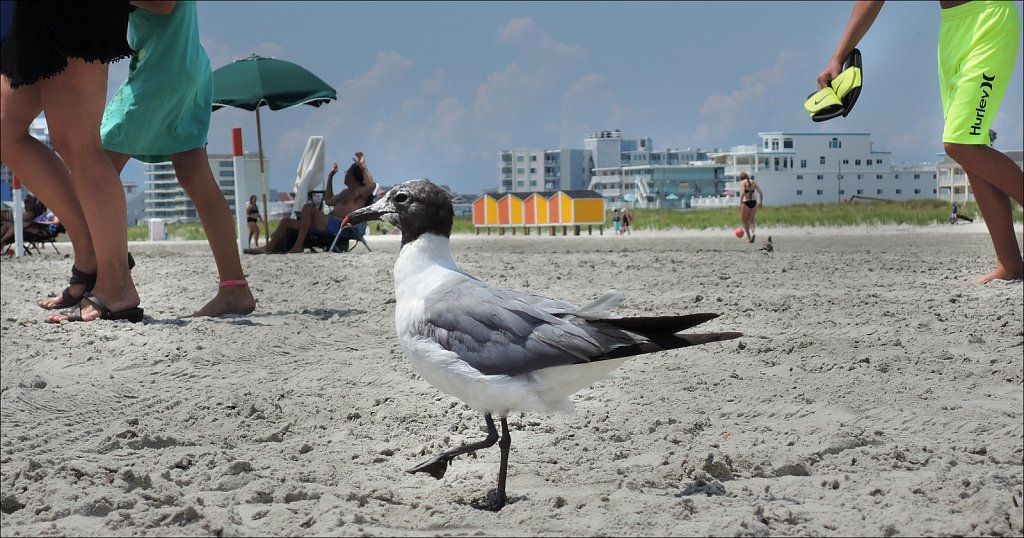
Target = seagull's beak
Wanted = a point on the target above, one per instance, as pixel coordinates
(371, 212)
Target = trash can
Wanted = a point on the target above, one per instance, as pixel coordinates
(156, 230)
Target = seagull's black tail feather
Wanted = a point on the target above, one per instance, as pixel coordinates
(660, 324)
(658, 333)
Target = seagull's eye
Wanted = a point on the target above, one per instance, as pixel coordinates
(401, 198)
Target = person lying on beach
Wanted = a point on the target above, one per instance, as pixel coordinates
(358, 192)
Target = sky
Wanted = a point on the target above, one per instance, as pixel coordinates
(437, 89)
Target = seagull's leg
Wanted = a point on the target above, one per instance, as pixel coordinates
(504, 444)
(437, 466)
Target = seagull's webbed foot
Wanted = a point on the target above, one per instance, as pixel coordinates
(437, 466)
(495, 501)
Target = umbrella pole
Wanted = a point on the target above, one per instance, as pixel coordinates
(263, 176)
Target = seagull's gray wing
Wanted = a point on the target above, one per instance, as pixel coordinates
(500, 331)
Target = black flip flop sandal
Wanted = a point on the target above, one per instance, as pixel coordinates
(133, 315)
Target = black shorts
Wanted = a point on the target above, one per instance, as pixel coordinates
(750, 203)
(44, 34)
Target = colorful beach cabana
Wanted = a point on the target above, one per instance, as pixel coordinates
(536, 209)
(510, 210)
(485, 211)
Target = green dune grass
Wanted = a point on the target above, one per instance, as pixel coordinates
(912, 213)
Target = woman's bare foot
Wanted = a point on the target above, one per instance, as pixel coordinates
(1000, 273)
(229, 300)
(50, 303)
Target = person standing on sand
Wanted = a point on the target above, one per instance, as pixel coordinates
(162, 112)
(54, 61)
(978, 46)
(749, 204)
(252, 219)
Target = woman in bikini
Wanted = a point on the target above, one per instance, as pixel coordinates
(252, 217)
(749, 204)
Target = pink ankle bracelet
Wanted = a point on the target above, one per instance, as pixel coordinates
(242, 282)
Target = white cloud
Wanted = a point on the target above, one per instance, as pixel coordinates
(515, 28)
(727, 115)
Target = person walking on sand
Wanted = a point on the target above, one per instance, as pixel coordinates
(252, 218)
(749, 204)
(617, 221)
(54, 61)
(162, 112)
(978, 46)
(627, 221)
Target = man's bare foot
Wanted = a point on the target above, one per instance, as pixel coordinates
(999, 274)
(229, 300)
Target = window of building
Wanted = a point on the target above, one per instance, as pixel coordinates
(803, 163)
(835, 143)
(917, 176)
(533, 170)
(533, 158)
(846, 161)
(897, 176)
(822, 160)
(787, 143)
(820, 177)
(519, 158)
(860, 191)
(841, 192)
(860, 176)
(799, 192)
(227, 173)
(878, 176)
(917, 191)
(775, 144)
(226, 164)
(765, 143)
(799, 177)
(857, 162)
(820, 192)
(519, 170)
(899, 191)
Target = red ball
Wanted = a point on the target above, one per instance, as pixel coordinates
(739, 232)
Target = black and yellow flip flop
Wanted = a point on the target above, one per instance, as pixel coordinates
(837, 99)
(848, 83)
(824, 104)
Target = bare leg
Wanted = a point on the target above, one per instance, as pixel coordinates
(995, 179)
(277, 237)
(73, 102)
(745, 218)
(195, 176)
(309, 218)
(753, 222)
(42, 171)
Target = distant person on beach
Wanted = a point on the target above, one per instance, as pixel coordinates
(252, 218)
(627, 221)
(54, 60)
(162, 113)
(953, 215)
(749, 204)
(616, 221)
(978, 46)
(33, 209)
(358, 193)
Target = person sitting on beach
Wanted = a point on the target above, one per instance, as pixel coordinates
(359, 188)
(33, 209)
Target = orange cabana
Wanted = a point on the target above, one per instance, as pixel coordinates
(510, 210)
(536, 209)
(485, 211)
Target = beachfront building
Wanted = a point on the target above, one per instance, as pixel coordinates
(538, 170)
(166, 200)
(951, 182)
(631, 172)
(815, 168)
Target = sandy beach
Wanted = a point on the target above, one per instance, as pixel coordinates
(873, 393)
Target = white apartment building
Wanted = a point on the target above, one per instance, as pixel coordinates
(542, 170)
(165, 199)
(815, 168)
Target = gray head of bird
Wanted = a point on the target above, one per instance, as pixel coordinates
(415, 207)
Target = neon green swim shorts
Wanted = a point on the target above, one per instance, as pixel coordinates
(978, 46)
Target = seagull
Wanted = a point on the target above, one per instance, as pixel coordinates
(501, 350)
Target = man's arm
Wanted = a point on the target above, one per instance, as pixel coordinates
(329, 193)
(861, 19)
